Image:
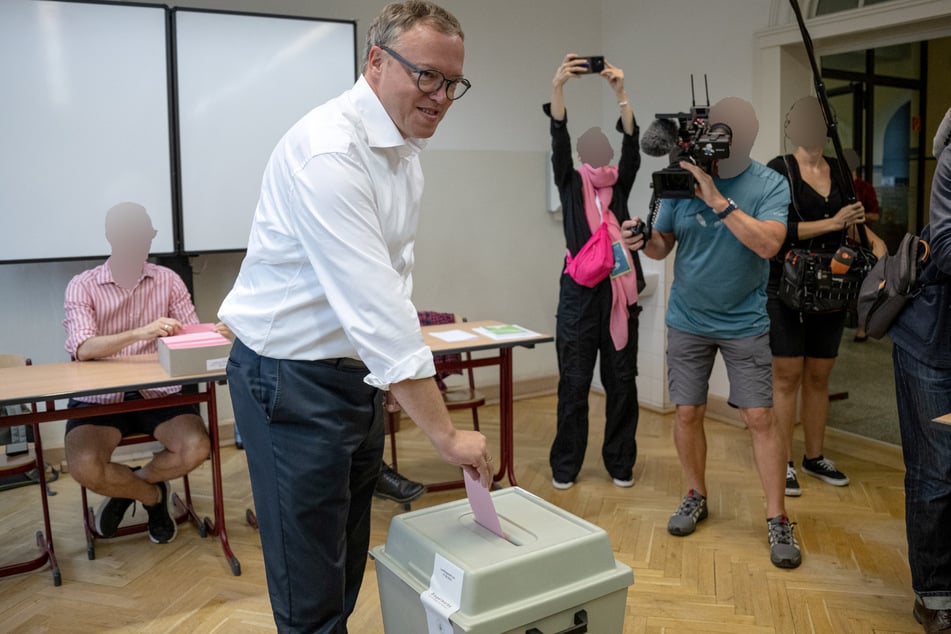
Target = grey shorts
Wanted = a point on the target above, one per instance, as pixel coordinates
(748, 365)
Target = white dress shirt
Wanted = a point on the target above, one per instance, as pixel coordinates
(328, 271)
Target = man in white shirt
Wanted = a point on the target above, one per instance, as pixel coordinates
(323, 319)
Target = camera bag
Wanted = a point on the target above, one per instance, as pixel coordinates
(808, 284)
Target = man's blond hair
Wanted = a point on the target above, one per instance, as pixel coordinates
(398, 17)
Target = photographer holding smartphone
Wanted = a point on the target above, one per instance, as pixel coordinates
(597, 304)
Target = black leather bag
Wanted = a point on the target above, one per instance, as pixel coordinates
(808, 284)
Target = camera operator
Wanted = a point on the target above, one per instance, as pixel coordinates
(726, 234)
(597, 314)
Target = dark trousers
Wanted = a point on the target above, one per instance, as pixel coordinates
(924, 393)
(582, 333)
(313, 434)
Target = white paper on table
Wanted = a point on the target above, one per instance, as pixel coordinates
(452, 336)
(444, 595)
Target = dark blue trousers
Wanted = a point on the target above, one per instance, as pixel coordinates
(313, 434)
(924, 393)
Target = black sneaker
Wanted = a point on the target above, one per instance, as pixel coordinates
(825, 470)
(392, 486)
(792, 482)
(109, 515)
(162, 527)
(692, 510)
(783, 548)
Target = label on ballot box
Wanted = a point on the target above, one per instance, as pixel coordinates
(198, 350)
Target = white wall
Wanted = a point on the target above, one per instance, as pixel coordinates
(488, 247)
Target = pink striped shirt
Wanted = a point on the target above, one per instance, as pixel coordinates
(96, 305)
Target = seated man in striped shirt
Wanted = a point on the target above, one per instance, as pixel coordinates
(118, 309)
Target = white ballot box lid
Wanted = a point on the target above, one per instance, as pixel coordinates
(548, 559)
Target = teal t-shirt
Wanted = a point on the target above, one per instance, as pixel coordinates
(719, 287)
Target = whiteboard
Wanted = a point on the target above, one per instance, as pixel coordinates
(242, 81)
(84, 124)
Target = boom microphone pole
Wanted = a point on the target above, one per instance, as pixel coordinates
(832, 130)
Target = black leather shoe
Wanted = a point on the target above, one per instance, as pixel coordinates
(393, 486)
(932, 620)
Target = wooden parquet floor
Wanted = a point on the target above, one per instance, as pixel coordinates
(854, 577)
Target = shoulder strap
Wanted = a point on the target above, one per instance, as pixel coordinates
(790, 179)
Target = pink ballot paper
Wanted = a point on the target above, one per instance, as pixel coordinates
(483, 508)
(195, 336)
(190, 329)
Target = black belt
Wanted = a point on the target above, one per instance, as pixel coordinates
(346, 363)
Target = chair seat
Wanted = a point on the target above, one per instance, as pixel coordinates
(462, 397)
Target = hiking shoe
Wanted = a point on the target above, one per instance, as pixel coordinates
(562, 486)
(109, 515)
(825, 470)
(162, 527)
(792, 482)
(783, 547)
(692, 510)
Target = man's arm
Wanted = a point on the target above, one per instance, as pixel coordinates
(100, 346)
(421, 399)
(657, 248)
(763, 237)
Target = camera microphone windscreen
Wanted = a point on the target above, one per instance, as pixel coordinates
(842, 260)
(659, 138)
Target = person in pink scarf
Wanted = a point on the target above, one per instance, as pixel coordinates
(597, 305)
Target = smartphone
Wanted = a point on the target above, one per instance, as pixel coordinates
(595, 63)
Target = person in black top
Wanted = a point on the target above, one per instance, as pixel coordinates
(595, 316)
(804, 345)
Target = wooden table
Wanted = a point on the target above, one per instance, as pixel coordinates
(48, 383)
(503, 359)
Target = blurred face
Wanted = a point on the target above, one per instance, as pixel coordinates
(594, 148)
(740, 116)
(415, 113)
(805, 125)
(129, 231)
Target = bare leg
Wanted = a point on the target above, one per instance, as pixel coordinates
(815, 403)
(691, 443)
(89, 451)
(89, 454)
(769, 449)
(186, 445)
(787, 377)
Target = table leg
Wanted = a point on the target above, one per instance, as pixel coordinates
(506, 418)
(44, 541)
(217, 527)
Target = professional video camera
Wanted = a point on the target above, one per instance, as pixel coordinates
(685, 136)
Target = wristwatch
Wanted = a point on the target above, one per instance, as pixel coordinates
(730, 208)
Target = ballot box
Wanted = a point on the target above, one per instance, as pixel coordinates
(552, 572)
(195, 352)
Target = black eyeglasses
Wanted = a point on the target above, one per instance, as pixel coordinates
(430, 81)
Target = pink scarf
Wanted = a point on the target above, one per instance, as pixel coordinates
(598, 187)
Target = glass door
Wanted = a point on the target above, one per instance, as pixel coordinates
(876, 98)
